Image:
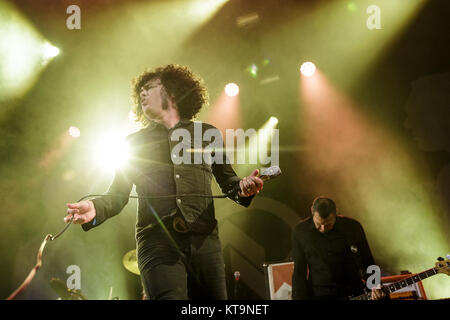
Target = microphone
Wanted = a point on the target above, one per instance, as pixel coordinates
(265, 174)
(237, 275)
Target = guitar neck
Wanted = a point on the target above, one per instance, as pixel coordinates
(402, 283)
(411, 280)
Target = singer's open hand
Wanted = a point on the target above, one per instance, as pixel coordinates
(82, 212)
(251, 185)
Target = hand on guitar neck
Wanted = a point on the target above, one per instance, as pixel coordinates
(442, 266)
(378, 294)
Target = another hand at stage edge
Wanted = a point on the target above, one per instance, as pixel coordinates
(251, 185)
(83, 212)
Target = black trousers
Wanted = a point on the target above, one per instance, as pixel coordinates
(183, 266)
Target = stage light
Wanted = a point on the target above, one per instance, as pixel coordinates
(111, 151)
(21, 54)
(49, 51)
(74, 132)
(247, 20)
(308, 69)
(367, 45)
(232, 89)
(273, 121)
(253, 69)
(351, 6)
(261, 148)
(206, 7)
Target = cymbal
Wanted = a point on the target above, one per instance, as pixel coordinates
(130, 262)
(65, 293)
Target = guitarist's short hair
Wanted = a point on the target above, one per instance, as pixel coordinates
(324, 206)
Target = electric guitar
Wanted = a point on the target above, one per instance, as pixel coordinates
(442, 266)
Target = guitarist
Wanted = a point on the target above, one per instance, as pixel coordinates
(330, 254)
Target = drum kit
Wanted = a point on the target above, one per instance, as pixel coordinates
(129, 261)
(64, 293)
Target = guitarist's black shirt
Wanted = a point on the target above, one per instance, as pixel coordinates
(329, 265)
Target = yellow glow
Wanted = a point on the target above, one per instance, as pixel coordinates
(49, 51)
(369, 173)
(273, 121)
(23, 52)
(341, 41)
(224, 113)
(132, 116)
(190, 16)
(111, 151)
(204, 8)
(74, 132)
(258, 146)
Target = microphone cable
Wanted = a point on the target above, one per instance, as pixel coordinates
(270, 173)
(50, 237)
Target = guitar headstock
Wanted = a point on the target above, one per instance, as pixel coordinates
(270, 173)
(443, 266)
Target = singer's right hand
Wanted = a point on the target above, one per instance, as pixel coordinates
(82, 212)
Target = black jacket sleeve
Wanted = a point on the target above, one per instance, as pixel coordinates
(366, 254)
(227, 179)
(109, 204)
(225, 175)
(301, 289)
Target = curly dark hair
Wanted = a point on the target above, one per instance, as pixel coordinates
(187, 89)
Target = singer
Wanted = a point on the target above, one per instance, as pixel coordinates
(331, 255)
(178, 247)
